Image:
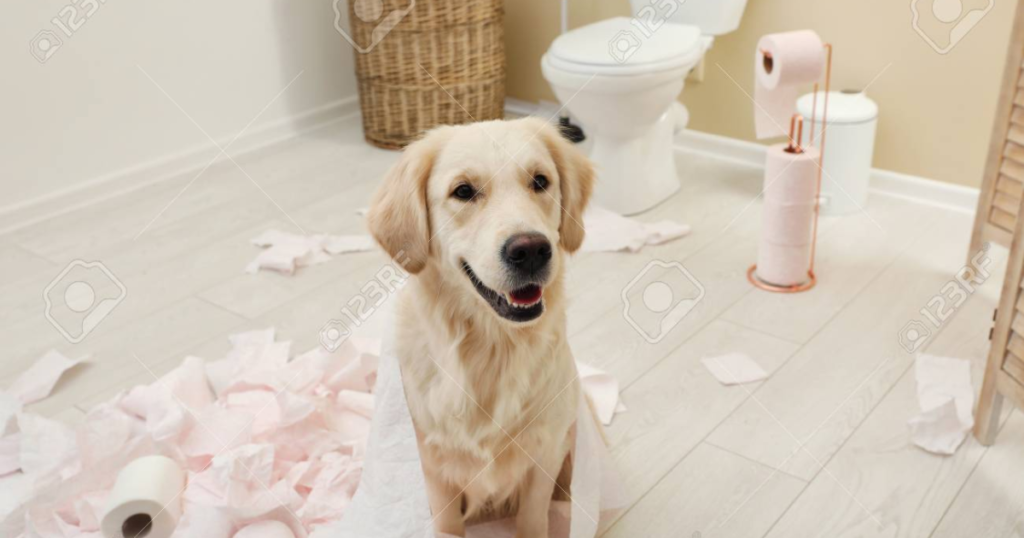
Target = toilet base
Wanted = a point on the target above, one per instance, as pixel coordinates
(635, 174)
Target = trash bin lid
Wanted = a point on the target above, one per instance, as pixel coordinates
(847, 106)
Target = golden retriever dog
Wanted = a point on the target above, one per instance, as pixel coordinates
(484, 217)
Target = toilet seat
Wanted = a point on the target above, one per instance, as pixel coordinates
(590, 49)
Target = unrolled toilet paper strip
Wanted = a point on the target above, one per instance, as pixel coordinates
(391, 501)
(790, 178)
(783, 62)
(147, 495)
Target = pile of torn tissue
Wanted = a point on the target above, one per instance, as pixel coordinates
(260, 436)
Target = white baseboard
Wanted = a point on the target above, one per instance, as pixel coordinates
(16, 216)
(883, 182)
(751, 154)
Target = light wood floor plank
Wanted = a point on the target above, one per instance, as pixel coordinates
(822, 394)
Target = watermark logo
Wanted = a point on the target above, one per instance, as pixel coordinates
(81, 297)
(942, 305)
(623, 46)
(44, 45)
(370, 12)
(357, 310)
(659, 297)
(68, 20)
(944, 23)
(647, 21)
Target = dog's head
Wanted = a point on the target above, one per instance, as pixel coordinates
(497, 203)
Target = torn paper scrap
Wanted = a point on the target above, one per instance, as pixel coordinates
(284, 252)
(38, 381)
(946, 398)
(734, 369)
(939, 429)
(608, 231)
(280, 436)
(603, 391)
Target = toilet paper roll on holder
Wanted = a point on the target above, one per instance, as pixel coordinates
(795, 135)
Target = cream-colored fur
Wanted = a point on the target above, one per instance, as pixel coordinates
(493, 400)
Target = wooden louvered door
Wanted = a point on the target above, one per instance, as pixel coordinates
(1003, 183)
(997, 221)
(1004, 373)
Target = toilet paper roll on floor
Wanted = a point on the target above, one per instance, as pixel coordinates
(146, 500)
(783, 63)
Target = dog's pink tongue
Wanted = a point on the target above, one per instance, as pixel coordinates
(527, 295)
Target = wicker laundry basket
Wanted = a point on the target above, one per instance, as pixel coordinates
(443, 63)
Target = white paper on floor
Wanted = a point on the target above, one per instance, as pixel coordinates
(946, 398)
(284, 252)
(734, 369)
(36, 383)
(262, 435)
(603, 390)
(608, 231)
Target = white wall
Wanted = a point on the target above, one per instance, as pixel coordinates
(89, 112)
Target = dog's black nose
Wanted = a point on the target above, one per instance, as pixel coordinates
(528, 253)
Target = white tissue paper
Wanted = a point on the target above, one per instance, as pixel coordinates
(284, 252)
(262, 435)
(946, 398)
(603, 390)
(608, 231)
(734, 369)
(36, 383)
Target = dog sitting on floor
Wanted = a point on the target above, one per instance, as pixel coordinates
(484, 217)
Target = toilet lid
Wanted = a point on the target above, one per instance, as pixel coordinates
(618, 42)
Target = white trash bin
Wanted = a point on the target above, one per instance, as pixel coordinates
(849, 147)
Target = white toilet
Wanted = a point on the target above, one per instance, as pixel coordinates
(620, 77)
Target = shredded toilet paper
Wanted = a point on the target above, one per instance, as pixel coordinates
(263, 436)
(946, 398)
(284, 252)
(36, 383)
(734, 369)
(606, 232)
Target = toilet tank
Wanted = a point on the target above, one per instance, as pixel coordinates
(713, 17)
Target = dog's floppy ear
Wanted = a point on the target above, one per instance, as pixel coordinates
(398, 217)
(576, 181)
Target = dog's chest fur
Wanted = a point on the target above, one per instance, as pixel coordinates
(486, 406)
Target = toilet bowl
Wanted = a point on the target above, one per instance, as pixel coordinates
(620, 80)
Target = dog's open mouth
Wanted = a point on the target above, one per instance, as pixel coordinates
(520, 305)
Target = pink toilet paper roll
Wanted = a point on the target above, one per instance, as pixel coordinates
(783, 265)
(788, 225)
(783, 62)
(790, 177)
(784, 251)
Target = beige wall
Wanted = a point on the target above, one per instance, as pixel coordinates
(936, 110)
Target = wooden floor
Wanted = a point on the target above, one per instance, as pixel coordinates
(819, 449)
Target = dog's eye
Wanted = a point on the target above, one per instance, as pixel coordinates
(540, 182)
(464, 192)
